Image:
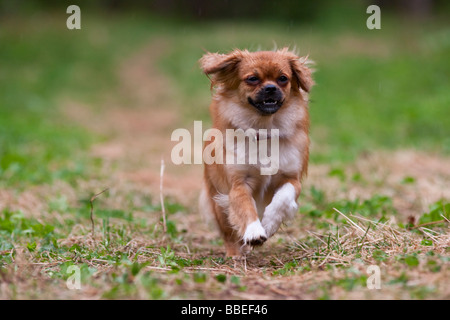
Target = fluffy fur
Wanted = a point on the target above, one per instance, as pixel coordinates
(258, 90)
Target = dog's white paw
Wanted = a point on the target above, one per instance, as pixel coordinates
(282, 208)
(255, 234)
(290, 210)
(271, 220)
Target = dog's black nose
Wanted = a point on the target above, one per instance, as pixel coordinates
(270, 88)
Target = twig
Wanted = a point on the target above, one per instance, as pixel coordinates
(445, 218)
(100, 260)
(350, 220)
(324, 260)
(162, 197)
(427, 224)
(45, 263)
(92, 208)
(316, 236)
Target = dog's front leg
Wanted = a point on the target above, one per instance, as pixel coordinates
(282, 207)
(243, 216)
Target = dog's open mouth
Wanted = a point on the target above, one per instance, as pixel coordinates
(267, 106)
(270, 102)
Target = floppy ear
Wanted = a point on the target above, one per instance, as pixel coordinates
(221, 68)
(300, 71)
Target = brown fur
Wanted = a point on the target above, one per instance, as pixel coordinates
(230, 109)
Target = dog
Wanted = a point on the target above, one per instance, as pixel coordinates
(258, 92)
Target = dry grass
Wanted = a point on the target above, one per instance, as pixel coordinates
(299, 263)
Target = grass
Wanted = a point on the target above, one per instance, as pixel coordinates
(132, 258)
(374, 92)
(41, 67)
(373, 83)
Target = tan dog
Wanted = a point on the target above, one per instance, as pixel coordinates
(257, 90)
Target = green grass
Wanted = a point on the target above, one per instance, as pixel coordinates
(35, 143)
(43, 68)
(362, 101)
(389, 91)
(375, 90)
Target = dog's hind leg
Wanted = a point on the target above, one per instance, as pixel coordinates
(231, 239)
(217, 205)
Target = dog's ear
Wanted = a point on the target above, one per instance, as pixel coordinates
(221, 68)
(300, 70)
(303, 74)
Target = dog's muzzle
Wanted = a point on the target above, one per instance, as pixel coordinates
(268, 100)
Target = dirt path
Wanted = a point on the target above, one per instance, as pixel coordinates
(139, 128)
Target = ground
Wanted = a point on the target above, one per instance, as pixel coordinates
(385, 208)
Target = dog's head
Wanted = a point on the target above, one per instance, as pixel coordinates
(264, 80)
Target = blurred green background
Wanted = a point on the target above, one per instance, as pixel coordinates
(376, 89)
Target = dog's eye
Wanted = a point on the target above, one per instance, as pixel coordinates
(252, 80)
(283, 79)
